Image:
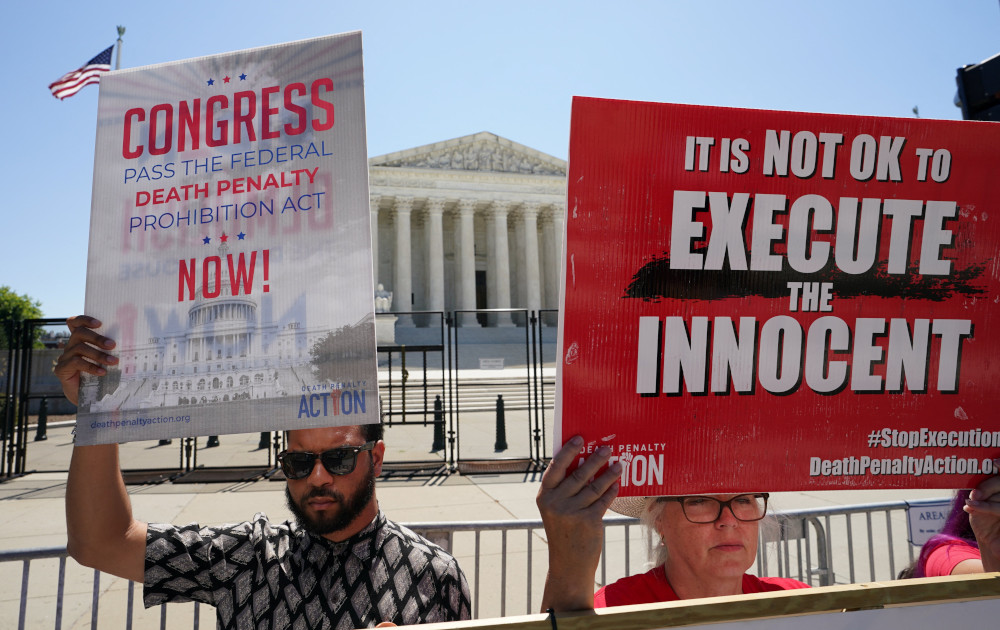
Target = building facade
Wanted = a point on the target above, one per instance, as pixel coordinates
(471, 223)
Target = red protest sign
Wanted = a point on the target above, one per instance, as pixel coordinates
(763, 300)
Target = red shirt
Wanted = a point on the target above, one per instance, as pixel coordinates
(945, 557)
(652, 587)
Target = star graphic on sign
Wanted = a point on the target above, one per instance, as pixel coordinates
(240, 236)
(206, 240)
(243, 77)
(211, 81)
(223, 238)
(225, 79)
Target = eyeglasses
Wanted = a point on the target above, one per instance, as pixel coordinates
(745, 507)
(337, 461)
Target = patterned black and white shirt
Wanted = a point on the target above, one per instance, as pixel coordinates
(260, 575)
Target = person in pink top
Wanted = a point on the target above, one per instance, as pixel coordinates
(955, 550)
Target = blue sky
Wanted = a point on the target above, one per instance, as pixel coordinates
(436, 70)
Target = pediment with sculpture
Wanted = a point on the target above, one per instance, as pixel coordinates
(483, 152)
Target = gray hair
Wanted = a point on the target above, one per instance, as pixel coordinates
(657, 552)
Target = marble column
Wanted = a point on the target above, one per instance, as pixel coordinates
(402, 299)
(532, 270)
(491, 267)
(555, 270)
(435, 254)
(518, 282)
(373, 201)
(550, 263)
(467, 261)
(501, 260)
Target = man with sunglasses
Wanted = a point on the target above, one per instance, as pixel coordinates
(340, 564)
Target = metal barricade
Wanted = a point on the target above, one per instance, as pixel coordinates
(83, 595)
(512, 402)
(506, 561)
(818, 545)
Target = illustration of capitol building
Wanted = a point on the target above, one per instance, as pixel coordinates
(224, 353)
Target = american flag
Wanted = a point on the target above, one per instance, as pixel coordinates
(74, 81)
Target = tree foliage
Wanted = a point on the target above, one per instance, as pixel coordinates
(344, 345)
(15, 308)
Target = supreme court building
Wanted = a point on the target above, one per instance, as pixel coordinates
(470, 223)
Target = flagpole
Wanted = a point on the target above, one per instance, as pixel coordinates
(118, 53)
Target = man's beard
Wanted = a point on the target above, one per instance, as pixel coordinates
(350, 507)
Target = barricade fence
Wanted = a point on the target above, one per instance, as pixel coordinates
(505, 563)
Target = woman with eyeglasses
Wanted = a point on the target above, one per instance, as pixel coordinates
(703, 544)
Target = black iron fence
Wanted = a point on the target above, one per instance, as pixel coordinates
(473, 386)
(22, 392)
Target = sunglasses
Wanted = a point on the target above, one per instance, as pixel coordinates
(336, 461)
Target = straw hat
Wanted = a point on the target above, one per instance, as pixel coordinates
(630, 506)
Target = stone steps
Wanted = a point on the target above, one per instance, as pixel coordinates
(471, 397)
